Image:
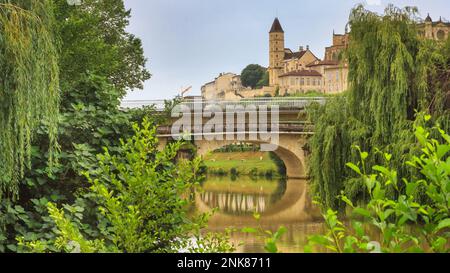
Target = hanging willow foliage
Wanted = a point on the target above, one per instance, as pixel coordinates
(29, 84)
(392, 74)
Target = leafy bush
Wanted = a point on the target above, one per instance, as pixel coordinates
(406, 222)
(141, 195)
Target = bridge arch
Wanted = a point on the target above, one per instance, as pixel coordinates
(290, 151)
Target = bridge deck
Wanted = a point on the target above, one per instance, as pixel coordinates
(282, 103)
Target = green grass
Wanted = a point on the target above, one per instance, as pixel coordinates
(243, 162)
(244, 185)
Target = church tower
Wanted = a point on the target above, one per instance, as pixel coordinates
(428, 27)
(276, 52)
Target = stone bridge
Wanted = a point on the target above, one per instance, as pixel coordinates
(291, 131)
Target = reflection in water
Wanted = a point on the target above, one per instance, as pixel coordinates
(280, 203)
(236, 203)
(229, 199)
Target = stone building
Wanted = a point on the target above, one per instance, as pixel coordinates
(301, 71)
(224, 87)
(438, 30)
(334, 71)
(282, 60)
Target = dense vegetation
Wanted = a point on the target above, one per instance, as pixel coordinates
(401, 222)
(97, 65)
(393, 74)
(254, 76)
(141, 196)
(29, 80)
(78, 174)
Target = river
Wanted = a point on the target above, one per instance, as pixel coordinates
(279, 202)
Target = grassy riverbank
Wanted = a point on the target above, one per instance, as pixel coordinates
(244, 163)
(246, 185)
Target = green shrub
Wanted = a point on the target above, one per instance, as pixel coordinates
(405, 221)
(142, 196)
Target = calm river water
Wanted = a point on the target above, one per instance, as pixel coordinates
(279, 202)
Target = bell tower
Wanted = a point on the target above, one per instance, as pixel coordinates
(276, 52)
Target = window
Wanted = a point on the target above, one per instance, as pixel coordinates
(440, 34)
(307, 81)
(292, 81)
(302, 81)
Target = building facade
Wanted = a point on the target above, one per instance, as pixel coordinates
(224, 87)
(292, 72)
(438, 30)
(301, 71)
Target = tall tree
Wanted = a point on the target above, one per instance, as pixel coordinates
(29, 84)
(252, 75)
(94, 39)
(392, 74)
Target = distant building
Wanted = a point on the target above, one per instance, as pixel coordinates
(302, 71)
(334, 71)
(438, 30)
(225, 86)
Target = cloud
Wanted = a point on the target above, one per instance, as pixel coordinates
(373, 2)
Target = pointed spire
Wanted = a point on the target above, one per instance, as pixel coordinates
(428, 19)
(276, 26)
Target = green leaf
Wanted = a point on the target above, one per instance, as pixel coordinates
(357, 226)
(364, 155)
(271, 247)
(257, 216)
(362, 212)
(443, 224)
(282, 230)
(354, 167)
(249, 230)
(319, 239)
(411, 189)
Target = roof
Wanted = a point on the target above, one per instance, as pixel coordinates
(294, 55)
(310, 73)
(276, 26)
(428, 19)
(325, 62)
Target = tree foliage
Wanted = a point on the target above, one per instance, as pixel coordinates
(392, 74)
(94, 40)
(141, 196)
(253, 75)
(90, 118)
(404, 221)
(29, 85)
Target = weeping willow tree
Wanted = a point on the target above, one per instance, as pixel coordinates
(393, 74)
(29, 84)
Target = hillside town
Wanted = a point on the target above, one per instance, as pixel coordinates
(297, 72)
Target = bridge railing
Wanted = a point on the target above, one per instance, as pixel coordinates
(282, 103)
(246, 127)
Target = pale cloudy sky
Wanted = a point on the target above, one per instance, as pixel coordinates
(189, 42)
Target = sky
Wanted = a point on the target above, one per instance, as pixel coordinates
(189, 42)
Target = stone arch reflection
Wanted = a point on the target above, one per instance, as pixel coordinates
(240, 203)
(294, 205)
